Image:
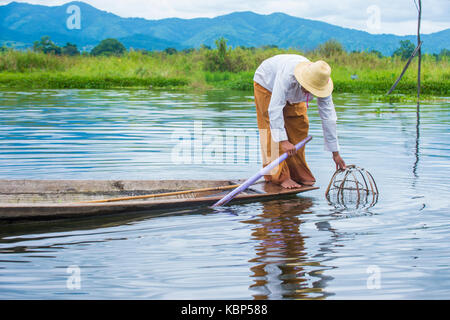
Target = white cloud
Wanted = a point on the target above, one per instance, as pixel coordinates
(398, 17)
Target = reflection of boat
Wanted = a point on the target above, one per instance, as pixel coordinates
(44, 199)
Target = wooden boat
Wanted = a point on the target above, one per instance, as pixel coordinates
(49, 199)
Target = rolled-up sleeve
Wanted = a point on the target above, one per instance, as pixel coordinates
(328, 116)
(276, 105)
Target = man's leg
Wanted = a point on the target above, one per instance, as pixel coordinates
(297, 127)
(270, 149)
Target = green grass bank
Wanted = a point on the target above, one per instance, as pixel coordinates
(356, 72)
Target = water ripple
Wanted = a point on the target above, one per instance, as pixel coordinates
(294, 248)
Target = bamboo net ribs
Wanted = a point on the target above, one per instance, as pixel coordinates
(353, 186)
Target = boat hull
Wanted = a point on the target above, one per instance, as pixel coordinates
(52, 199)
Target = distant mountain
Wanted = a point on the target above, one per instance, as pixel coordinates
(22, 23)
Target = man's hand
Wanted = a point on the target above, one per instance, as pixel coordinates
(340, 164)
(288, 147)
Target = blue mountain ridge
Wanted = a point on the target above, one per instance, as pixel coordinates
(23, 23)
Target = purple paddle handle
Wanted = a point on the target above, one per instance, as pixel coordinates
(259, 174)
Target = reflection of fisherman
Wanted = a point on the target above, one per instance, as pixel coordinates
(282, 85)
(283, 267)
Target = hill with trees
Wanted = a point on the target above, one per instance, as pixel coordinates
(21, 24)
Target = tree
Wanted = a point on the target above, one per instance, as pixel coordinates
(222, 51)
(109, 47)
(188, 50)
(46, 45)
(405, 50)
(270, 46)
(219, 58)
(444, 54)
(330, 48)
(170, 50)
(70, 49)
(376, 53)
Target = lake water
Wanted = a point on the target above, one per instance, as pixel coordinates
(302, 247)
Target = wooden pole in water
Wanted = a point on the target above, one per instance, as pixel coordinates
(420, 51)
(416, 50)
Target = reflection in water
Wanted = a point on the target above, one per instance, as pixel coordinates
(416, 153)
(406, 124)
(10, 233)
(298, 248)
(282, 269)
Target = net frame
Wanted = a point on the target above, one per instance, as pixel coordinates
(352, 179)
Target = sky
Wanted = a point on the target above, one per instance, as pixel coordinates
(374, 16)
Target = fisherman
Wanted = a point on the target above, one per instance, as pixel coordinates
(283, 86)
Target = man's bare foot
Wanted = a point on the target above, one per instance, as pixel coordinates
(290, 184)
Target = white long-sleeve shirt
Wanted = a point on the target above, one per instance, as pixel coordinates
(276, 74)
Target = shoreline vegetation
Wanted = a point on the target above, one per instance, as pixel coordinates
(222, 67)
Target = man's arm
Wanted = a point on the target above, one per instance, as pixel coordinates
(277, 103)
(328, 116)
(276, 116)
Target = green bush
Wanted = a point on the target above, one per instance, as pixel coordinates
(330, 48)
(70, 49)
(170, 50)
(109, 47)
(46, 45)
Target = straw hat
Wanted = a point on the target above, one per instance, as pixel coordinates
(315, 77)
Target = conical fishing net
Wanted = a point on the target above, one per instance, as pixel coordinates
(353, 187)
